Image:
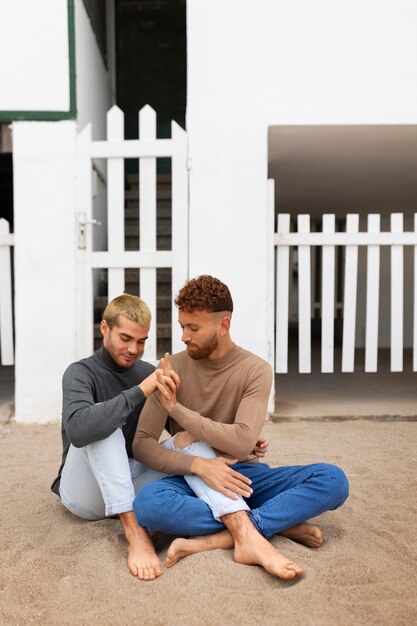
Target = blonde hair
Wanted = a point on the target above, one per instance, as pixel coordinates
(132, 307)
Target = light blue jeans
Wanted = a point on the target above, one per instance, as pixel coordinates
(100, 480)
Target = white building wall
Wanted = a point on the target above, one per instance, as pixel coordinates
(93, 81)
(44, 198)
(34, 72)
(46, 235)
(252, 65)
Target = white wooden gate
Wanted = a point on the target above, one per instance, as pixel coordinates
(304, 240)
(6, 295)
(116, 259)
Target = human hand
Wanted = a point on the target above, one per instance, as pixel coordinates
(261, 447)
(168, 370)
(217, 474)
(167, 390)
(150, 384)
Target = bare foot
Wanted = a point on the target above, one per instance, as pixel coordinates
(251, 548)
(143, 561)
(180, 548)
(305, 533)
(264, 554)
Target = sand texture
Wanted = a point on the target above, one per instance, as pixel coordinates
(57, 569)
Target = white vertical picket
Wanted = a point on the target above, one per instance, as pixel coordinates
(415, 302)
(269, 243)
(85, 317)
(6, 295)
(147, 221)
(372, 297)
(282, 298)
(304, 298)
(115, 202)
(397, 296)
(349, 297)
(180, 234)
(327, 299)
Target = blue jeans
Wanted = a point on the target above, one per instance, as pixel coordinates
(282, 497)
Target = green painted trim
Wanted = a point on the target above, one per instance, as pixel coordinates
(71, 51)
(54, 116)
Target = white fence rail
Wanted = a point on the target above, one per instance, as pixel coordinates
(147, 258)
(6, 294)
(304, 240)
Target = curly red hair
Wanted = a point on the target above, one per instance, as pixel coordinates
(204, 293)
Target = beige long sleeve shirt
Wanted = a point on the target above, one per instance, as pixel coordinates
(222, 402)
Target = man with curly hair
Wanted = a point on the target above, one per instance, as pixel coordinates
(222, 401)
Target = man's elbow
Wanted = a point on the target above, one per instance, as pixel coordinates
(78, 441)
(242, 449)
(138, 449)
(76, 437)
(135, 450)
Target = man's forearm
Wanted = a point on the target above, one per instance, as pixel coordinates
(85, 423)
(155, 456)
(236, 439)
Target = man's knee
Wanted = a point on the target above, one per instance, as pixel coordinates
(337, 483)
(144, 503)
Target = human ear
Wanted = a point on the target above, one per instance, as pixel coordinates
(104, 328)
(224, 325)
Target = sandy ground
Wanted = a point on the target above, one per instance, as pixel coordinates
(56, 569)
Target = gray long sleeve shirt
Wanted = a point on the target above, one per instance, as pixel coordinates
(98, 397)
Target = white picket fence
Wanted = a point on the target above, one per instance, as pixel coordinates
(328, 239)
(6, 294)
(116, 259)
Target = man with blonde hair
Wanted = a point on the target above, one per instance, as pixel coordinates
(103, 396)
(102, 399)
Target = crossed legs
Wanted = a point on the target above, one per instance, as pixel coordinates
(283, 499)
(99, 480)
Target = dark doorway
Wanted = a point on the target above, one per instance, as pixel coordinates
(151, 61)
(6, 175)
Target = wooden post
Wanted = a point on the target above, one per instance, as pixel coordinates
(397, 296)
(115, 202)
(304, 298)
(349, 297)
(147, 223)
(282, 297)
(327, 299)
(85, 317)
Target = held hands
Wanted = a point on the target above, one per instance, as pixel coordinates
(159, 377)
(217, 474)
(167, 381)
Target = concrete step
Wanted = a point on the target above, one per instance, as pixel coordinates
(162, 243)
(163, 228)
(162, 193)
(133, 179)
(163, 209)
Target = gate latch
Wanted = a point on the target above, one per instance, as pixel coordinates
(82, 225)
